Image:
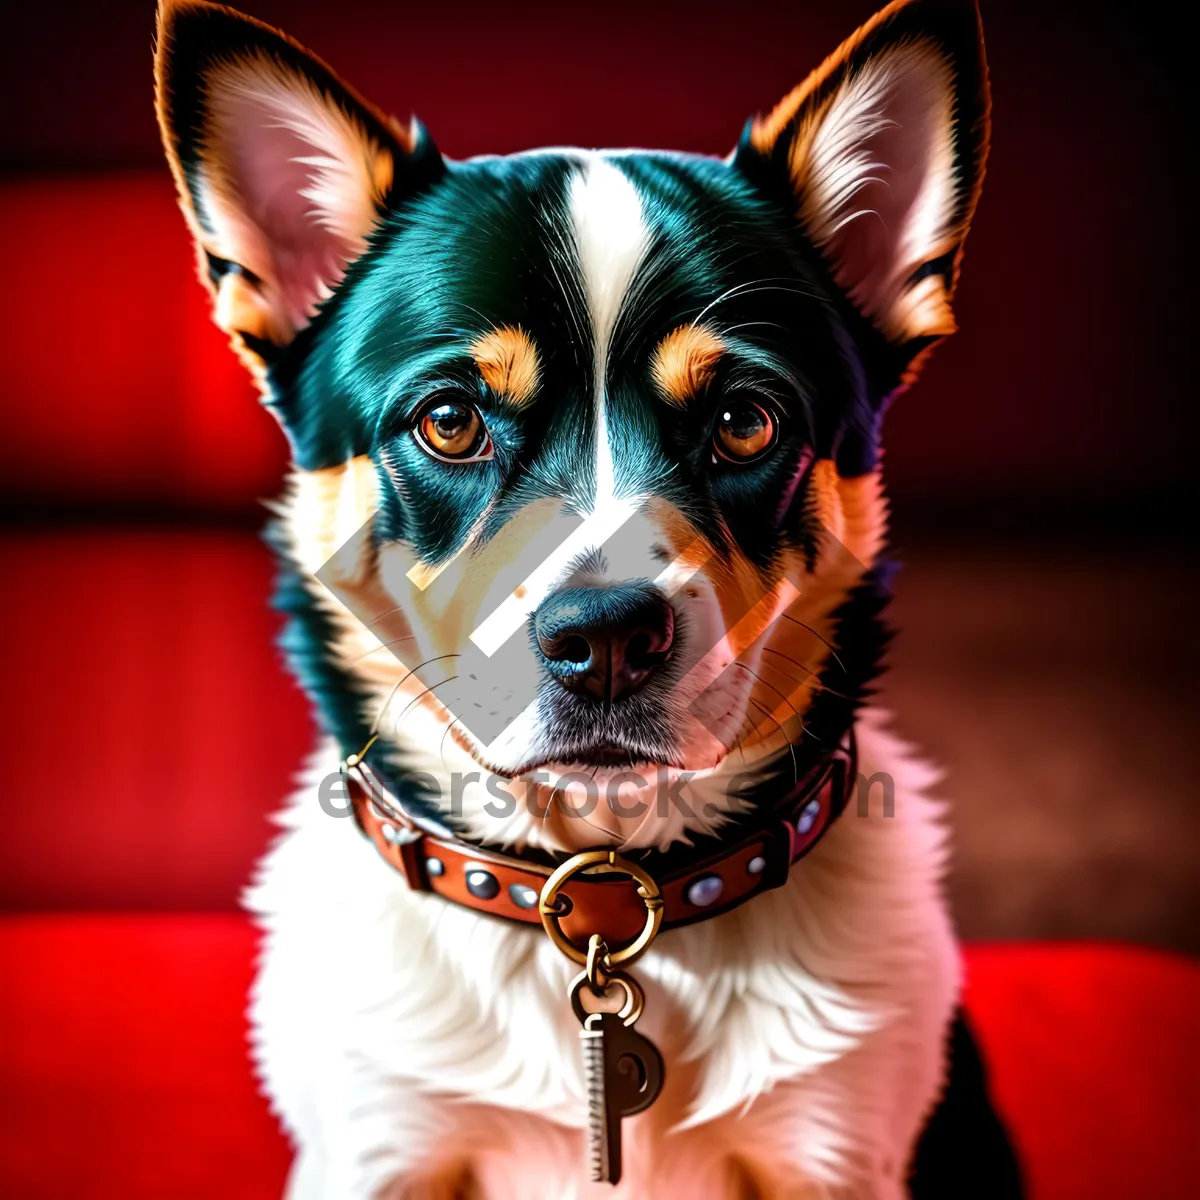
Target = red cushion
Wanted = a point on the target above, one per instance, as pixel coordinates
(125, 1071)
(155, 728)
(1093, 1051)
(124, 1061)
(123, 392)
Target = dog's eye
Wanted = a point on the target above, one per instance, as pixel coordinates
(453, 430)
(745, 431)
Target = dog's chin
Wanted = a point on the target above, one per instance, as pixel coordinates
(566, 786)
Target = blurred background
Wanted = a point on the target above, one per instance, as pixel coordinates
(1043, 489)
(1042, 471)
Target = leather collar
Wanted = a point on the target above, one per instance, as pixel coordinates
(752, 858)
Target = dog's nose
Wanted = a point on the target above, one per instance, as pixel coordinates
(604, 642)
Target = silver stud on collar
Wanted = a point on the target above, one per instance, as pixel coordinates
(522, 896)
(704, 891)
(808, 816)
(756, 866)
(434, 867)
(483, 885)
(390, 833)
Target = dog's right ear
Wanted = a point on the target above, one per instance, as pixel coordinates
(283, 170)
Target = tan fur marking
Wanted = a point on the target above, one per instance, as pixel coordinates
(241, 309)
(865, 512)
(684, 362)
(826, 496)
(508, 361)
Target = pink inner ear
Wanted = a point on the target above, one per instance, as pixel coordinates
(308, 258)
(293, 181)
(882, 177)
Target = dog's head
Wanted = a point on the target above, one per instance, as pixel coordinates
(586, 444)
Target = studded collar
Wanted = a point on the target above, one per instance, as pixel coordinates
(694, 886)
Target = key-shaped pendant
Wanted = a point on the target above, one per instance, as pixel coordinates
(624, 1074)
(623, 1070)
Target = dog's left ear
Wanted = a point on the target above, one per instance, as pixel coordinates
(881, 152)
(283, 170)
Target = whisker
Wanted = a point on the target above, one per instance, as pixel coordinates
(773, 688)
(788, 740)
(397, 685)
(383, 616)
(417, 699)
(775, 283)
(828, 644)
(442, 744)
(793, 661)
(728, 329)
(812, 678)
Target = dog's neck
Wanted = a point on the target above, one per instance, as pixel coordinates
(703, 879)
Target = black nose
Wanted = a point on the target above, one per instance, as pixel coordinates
(604, 642)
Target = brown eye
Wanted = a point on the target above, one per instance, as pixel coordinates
(745, 431)
(454, 431)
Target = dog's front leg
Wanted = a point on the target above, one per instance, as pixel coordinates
(391, 1145)
(364, 1133)
(415, 1146)
(314, 1178)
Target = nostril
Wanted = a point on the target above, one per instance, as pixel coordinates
(640, 653)
(637, 651)
(647, 646)
(571, 648)
(575, 649)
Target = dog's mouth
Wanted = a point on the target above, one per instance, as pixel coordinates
(612, 754)
(607, 754)
(601, 757)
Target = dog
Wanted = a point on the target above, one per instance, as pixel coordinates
(583, 556)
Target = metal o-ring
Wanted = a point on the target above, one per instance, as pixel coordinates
(647, 889)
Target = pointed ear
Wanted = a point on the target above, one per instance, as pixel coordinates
(882, 149)
(283, 171)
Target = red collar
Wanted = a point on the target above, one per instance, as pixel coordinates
(694, 885)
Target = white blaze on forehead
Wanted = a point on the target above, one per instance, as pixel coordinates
(611, 237)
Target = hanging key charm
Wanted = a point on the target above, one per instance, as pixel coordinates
(622, 1069)
(623, 1073)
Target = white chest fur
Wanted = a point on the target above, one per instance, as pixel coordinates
(403, 1038)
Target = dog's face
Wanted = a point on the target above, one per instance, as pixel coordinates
(586, 444)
